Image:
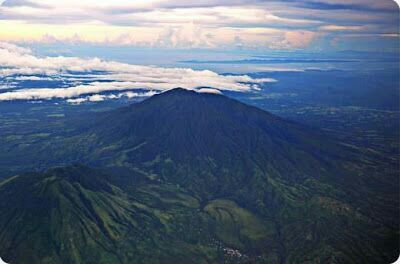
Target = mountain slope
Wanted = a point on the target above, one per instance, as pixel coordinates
(206, 131)
(73, 215)
(212, 175)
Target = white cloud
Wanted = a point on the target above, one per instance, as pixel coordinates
(209, 90)
(76, 101)
(105, 76)
(14, 48)
(100, 97)
(160, 23)
(202, 23)
(134, 94)
(341, 28)
(97, 98)
(30, 78)
(297, 39)
(92, 98)
(189, 35)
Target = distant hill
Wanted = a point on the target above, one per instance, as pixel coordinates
(190, 177)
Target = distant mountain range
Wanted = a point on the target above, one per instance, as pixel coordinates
(186, 177)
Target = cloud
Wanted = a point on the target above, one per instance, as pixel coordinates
(96, 76)
(187, 36)
(30, 78)
(341, 28)
(211, 24)
(298, 39)
(194, 24)
(15, 3)
(357, 5)
(1, 261)
(209, 90)
(11, 48)
(92, 98)
(100, 98)
(134, 94)
(76, 101)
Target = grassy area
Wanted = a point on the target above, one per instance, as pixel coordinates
(236, 225)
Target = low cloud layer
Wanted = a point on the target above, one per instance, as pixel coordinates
(95, 76)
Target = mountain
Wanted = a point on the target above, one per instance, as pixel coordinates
(74, 215)
(194, 177)
(182, 130)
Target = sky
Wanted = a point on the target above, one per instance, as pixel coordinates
(90, 51)
(291, 25)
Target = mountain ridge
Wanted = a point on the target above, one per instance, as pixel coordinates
(188, 175)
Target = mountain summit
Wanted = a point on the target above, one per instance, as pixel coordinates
(196, 177)
(209, 142)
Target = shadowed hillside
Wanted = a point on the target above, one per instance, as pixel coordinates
(187, 176)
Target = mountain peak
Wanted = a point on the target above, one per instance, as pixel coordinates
(182, 126)
(182, 91)
(179, 90)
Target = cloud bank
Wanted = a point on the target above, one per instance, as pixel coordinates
(1, 261)
(259, 24)
(82, 76)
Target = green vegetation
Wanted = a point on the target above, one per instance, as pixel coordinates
(186, 177)
(234, 223)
